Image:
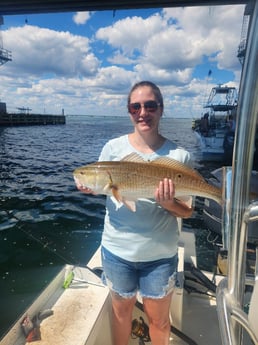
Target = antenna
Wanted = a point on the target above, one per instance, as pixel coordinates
(5, 55)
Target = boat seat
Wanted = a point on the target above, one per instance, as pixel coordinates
(249, 321)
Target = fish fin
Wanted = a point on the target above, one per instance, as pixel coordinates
(133, 157)
(173, 163)
(167, 161)
(107, 187)
(129, 204)
(115, 193)
(186, 199)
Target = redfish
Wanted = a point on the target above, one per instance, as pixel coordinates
(133, 178)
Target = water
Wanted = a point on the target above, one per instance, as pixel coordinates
(44, 221)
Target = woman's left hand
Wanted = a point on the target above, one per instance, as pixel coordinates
(165, 196)
(165, 193)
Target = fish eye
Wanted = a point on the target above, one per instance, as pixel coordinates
(179, 175)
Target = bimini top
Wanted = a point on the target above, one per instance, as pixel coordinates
(9, 7)
(222, 98)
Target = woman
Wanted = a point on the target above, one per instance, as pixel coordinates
(139, 249)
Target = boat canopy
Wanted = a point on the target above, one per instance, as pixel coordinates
(9, 7)
(222, 98)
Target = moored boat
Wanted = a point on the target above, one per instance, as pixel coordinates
(215, 131)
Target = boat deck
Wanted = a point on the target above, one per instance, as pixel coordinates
(77, 312)
(74, 316)
(81, 312)
(200, 324)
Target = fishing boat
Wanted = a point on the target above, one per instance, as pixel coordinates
(215, 131)
(212, 211)
(207, 308)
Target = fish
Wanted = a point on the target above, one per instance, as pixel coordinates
(133, 178)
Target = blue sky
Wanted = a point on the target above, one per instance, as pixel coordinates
(86, 62)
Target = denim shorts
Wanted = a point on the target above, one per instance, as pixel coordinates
(152, 279)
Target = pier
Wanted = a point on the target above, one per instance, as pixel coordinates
(24, 118)
(7, 119)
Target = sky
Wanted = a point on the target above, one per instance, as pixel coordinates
(86, 62)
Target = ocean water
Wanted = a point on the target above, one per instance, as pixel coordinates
(45, 221)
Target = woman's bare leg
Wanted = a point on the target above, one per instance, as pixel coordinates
(122, 318)
(157, 311)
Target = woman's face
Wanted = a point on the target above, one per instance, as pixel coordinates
(145, 111)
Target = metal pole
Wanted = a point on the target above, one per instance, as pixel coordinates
(243, 151)
(242, 166)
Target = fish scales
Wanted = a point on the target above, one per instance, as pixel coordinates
(132, 177)
(134, 180)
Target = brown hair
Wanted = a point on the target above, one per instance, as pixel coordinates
(154, 88)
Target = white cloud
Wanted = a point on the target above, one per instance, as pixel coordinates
(120, 59)
(168, 46)
(163, 76)
(130, 34)
(212, 30)
(172, 49)
(81, 18)
(54, 69)
(41, 52)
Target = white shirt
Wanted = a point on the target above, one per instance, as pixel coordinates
(150, 233)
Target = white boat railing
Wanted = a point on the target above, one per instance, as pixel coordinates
(230, 292)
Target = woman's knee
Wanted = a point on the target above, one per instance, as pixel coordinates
(162, 324)
(157, 311)
(122, 306)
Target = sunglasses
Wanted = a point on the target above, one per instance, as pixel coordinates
(150, 106)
